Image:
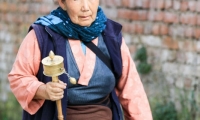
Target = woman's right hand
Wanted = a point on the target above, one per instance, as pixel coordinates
(55, 90)
(51, 91)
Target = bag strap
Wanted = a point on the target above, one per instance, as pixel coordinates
(100, 54)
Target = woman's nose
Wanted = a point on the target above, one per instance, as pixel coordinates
(85, 5)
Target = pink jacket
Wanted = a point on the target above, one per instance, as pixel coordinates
(24, 84)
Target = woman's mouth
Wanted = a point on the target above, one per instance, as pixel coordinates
(84, 17)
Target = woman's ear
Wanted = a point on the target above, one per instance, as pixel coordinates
(62, 4)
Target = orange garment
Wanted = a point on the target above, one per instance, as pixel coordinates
(24, 84)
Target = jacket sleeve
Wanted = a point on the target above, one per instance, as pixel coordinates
(22, 78)
(130, 90)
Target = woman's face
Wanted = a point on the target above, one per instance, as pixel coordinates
(81, 12)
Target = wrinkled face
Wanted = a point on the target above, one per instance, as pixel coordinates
(81, 12)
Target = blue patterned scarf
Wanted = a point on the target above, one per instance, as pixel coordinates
(59, 21)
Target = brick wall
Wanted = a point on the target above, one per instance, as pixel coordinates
(169, 29)
(15, 19)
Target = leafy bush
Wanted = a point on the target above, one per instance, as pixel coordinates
(10, 109)
(141, 55)
(164, 111)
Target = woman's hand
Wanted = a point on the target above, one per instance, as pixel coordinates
(51, 91)
(55, 90)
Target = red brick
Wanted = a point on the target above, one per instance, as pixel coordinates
(184, 5)
(142, 15)
(156, 29)
(197, 33)
(134, 15)
(139, 28)
(159, 16)
(124, 14)
(168, 4)
(146, 4)
(170, 43)
(128, 3)
(198, 20)
(125, 3)
(164, 29)
(192, 19)
(125, 27)
(132, 28)
(12, 7)
(171, 18)
(4, 7)
(160, 4)
(129, 27)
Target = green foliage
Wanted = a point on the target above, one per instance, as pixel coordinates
(141, 55)
(189, 106)
(143, 67)
(10, 109)
(194, 107)
(164, 111)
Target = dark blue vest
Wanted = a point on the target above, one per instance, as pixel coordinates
(49, 40)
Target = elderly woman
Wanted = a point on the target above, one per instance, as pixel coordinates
(101, 92)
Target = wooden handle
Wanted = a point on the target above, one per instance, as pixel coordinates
(58, 102)
(59, 107)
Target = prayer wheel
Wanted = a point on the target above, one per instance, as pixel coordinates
(53, 67)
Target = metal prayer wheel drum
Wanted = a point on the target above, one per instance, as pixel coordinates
(53, 65)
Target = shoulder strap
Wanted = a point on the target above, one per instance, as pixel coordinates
(100, 54)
